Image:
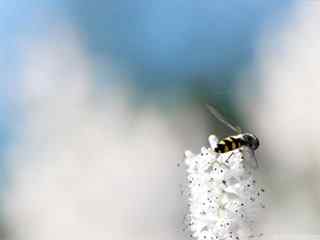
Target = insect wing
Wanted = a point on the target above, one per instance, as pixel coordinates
(219, 116)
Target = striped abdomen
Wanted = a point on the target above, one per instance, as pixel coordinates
(230, 143)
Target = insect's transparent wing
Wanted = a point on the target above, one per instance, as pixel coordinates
(219, 116)
(250, 157)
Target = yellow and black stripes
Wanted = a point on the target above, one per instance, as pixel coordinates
(229, 144)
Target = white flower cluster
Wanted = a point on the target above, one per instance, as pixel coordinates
(223, 195)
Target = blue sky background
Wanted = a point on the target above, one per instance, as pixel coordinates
(166, 45)
(169, 37)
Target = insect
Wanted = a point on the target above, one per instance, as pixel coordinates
(246, 141)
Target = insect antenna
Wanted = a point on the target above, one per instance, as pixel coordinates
(219, 116)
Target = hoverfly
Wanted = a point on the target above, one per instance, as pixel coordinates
(247, 141)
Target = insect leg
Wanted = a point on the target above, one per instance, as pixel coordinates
(250, 156)
(255, 160)
(229, 157)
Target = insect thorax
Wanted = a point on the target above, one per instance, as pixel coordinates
(251, 140)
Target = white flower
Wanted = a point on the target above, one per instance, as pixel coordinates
(223, 195)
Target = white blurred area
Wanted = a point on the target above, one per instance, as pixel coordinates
(285, 113)
(86, 163)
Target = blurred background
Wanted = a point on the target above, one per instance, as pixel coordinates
(100, 99)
